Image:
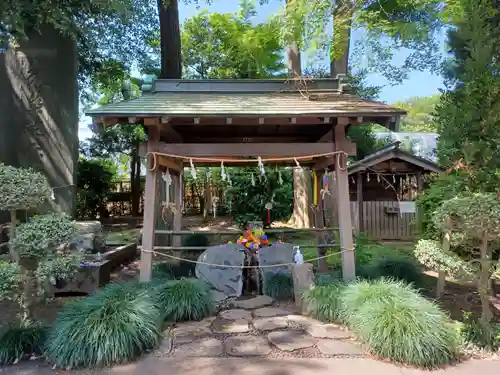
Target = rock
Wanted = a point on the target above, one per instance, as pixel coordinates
(277, 253)
(89, 238)
(192, 331)
(218, 297)
(202, 348)
(253, 303)
(291, 340)
(267, 312)
(228, 280)
(235, 314)
(269, 324)
(246, 346)
(303, 320)
(337, 347)
(166, 346)
(328, 331)
(303, 280)
(236, 326)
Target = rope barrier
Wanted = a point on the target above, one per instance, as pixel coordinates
(341, 166)
(230, 266)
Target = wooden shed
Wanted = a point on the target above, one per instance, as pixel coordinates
(383, 188)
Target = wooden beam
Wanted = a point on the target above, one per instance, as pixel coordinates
(328, 137)
(344, 121)
(176, 165)
(110, 121)
(170, 133)
(243, 149)
(348, 147)
(150, 206)
(152, 121)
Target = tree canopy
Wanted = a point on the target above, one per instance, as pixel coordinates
(420, 113)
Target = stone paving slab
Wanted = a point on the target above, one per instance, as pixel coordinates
(328, 331)
(203, 348)
(269, 324)
(291, 340)
(253, 303)
(227, 326)
(235, 314)
(337, 347)
(268, 312)
(246, 346)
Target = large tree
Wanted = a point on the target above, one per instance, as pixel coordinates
(420, 113)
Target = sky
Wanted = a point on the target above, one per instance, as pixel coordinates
(417, 84)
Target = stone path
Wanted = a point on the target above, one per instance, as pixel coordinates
(255, 328)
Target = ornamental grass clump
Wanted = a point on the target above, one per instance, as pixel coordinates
(323, 302)
(278, 284)
(116, 325)
(397, 267)
(393, 321)
(19, 341)
(184, 299)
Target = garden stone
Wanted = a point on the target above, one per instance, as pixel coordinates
(253, 303)
(202, 348)
(235, 314)
(303, 280)
(337, 347)
(247, 346)
(277, 253)
(291, 340)
(267, 312)
(166, 346)
(328, 331)
(89, 238)
(236, 326)
(269, 324)
(228, 280)
(303, 320)
(192, 331)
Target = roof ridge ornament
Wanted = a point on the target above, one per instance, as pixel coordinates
(148, 83)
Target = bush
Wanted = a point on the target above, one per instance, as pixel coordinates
(395, 322)
(326, 279)
(17, 342)
(323, 302)
(278, 284)
(184, 299)
(396, 267)
(173, 271)
(475, 334)
(10, 279)
(116, 325)
(196, 239)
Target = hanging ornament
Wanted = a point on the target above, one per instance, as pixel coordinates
(52, 195)
(193, 169)
(168, 181)
(352, 180)
(228, 179)
(222, 171)
(297, 163)
(393, 179)
(378, 177)
(368, 177)
(315, 188)
(260, 164)
(325, 182)
(280, 179)
(252, 179)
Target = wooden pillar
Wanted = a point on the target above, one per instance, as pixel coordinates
(343, 205)
(177, 224)
(359, 196)
(319, 223)
(150, 207)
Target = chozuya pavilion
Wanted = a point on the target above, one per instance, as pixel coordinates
(237, 122)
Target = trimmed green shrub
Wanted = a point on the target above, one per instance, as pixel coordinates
(323, 302)
(278, 284)
(10, 279)
(196, 239)
(173, 270)
(395, 322)
(116, 325)
(19, 341)
(184, 299)
(326, 278)
(396, 267)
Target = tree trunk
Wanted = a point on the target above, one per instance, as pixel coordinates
(39, 107)
(135, 179)
(341, 64)
(30, 294)
(170, 39)
(12, 233)
(484, 284)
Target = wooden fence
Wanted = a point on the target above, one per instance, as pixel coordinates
(382, 220)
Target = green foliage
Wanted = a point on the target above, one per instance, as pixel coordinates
(41, 235)
(475, 333)
(397, 267)
(439, 189)
(22, 188)
(94, 181)
(468, 116)
(58, 267)
(394, 321)
(173, 271)
(278, 284)
(420, 113)
(323, 301)
(18, 341)
(115, 325)
(184, 299)
(326, 279)
(430, 254)
(474, 214)
(10, 279)
(196, 239)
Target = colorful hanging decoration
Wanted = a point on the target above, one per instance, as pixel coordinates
(260, 164)
(268, 207)
(325, 182)
(315, 188)
(253, 239)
